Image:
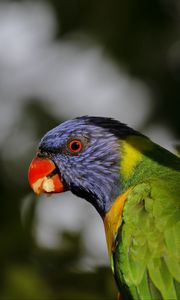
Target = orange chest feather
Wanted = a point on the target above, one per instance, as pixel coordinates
(112, 220)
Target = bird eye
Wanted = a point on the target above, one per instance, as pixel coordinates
(75, 146)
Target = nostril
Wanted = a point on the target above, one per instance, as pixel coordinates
(41, 153)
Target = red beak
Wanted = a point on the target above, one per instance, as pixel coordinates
(44, 177)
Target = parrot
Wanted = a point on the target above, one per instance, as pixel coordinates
(134, 184)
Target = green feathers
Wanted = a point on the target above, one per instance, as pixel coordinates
(148, 252)
(147, 255)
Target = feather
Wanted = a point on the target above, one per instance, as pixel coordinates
(149, 250)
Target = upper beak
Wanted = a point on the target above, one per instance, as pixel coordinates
(44, 177)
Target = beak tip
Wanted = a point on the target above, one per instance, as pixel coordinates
(40, 178)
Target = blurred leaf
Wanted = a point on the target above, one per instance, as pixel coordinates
(23, 282)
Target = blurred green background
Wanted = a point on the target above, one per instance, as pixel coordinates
(61, 59)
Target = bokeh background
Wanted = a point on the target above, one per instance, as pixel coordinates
(61, 59)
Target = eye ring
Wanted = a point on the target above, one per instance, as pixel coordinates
(75, 146)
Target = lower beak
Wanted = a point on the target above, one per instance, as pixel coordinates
(44, 177)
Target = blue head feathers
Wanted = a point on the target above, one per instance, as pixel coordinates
(86, 152)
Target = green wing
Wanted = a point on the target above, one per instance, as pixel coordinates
(147, 256)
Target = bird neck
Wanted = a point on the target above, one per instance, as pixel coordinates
(131, 152)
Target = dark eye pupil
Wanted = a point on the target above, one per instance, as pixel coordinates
(75, 146)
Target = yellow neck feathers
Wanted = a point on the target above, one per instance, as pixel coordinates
(112, 220)
(132, 150)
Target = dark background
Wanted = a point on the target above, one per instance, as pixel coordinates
(138, 39)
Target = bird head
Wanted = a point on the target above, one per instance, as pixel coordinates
(82, 155)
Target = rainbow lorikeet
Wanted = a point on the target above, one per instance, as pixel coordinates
(134, 184)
